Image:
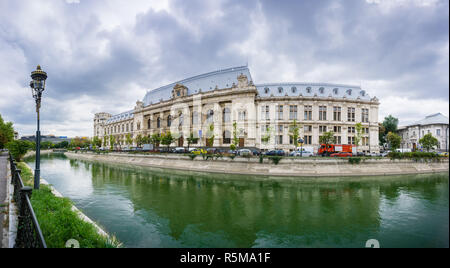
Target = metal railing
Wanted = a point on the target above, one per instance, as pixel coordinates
(29, 234)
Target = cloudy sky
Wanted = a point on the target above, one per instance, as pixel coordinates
(104, 55)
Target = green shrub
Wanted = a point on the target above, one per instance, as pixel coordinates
(354, 160)
(18, 148)
(275, 159)
(192, 156)
(261, 158)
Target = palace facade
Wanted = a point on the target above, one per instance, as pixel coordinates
(208, 105)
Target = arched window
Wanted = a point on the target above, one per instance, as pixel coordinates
(226, 137)
(336, 91)
(210, 116)
(149, 124)
(266, 90)
(280, 90)
(308, 90)
(321, 90)
(158, 122)
(363, 93)
(294, 89)
(349, 91)
(169, 121)
(226, 115)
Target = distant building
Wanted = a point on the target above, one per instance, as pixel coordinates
(51, 138)
(436, 124)
(208, 105)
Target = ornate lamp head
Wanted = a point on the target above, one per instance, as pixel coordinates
(38, 82)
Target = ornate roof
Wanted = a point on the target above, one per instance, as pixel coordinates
(323, 90)
(120, 117)
(200, 83)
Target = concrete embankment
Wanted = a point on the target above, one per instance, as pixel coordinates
(33, 153)
(291, 167)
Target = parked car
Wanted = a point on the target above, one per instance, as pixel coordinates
(302, 153)
(198, 151)
(179, 150)
(256, 152)
(244, 152)
(275, 152)
(341, 154)
(385, 153)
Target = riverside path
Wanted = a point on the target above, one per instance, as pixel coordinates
(3, 185)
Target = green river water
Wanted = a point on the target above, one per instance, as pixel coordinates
(159, 208)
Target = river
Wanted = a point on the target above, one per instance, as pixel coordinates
(147, 207)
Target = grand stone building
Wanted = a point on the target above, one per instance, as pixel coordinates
(436, 124)
(208, 105)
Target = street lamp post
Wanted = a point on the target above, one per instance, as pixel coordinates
(37, 86)
(301, 146)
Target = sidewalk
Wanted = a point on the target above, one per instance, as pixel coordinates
(3, 185)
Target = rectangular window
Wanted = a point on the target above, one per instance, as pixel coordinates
(242, 115)
(280, 112)
(351, 130)
(279, 139)
(308, 112)
(351, 140)
(322, 129)
(194, 118)
(438, 132)
(323, 113)
(365, 115)
(337, 113)
(280, 128)
(307, 139)
(337, 129)
(351, 114)
(338, 139)
(307, 128)
(292, 112)
(265, 112)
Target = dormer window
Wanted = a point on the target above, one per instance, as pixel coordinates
(363, 93)
(280, 90)
(308, 90)
(294, 89)
(178, 93)
(336, 91)
(321, 90)
(349, 91)
(266, 90)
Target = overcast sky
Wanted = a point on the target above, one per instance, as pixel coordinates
(102, 56)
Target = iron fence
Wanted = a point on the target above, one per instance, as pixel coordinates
(29, 234)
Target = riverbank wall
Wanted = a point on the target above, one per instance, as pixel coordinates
(289, 167)
(33, 153)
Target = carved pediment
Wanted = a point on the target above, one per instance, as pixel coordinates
(179, 90)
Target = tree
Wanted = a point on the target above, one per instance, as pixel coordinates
(390, 124)
(112, 141)
(167, 139)
(381, 134)
(393, 140)
(138, 140)
(358, 136)
(428, 142)
(105, 140)
(210, 135)
(327, 138)
(295, 132)
(96, 142)
(18, 148)
(6, 133)
(155, 139)
(62, 144)
(267, 135)
(46, 145)
(129, 140)
(235, 138)
(191, 139)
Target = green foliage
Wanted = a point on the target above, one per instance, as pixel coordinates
(59, 222)
(18, 148)
(358, 128)
(275, 159)
(112, 141)
(295, 132)
(266, 137)
(105, 140)
(191, 139)
(79, 142)
(327, 138)
(261, 158)
(232, 146)
(235, 137)
(381, 134)
(6, 133)
(63, 144)
(47, 145)
(416, 156)
(129, 140)
(96, 141)
(139, 141)
(390, 124)
(354, 160)
(192, 156)
(428, 142)
(210, 134)
(167, 139)
(394, 140)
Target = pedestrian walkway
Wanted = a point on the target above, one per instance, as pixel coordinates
(3, 185)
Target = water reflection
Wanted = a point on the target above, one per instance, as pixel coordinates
(155, 208)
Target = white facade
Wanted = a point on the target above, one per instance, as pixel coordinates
(218, 99)
(436, 124)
